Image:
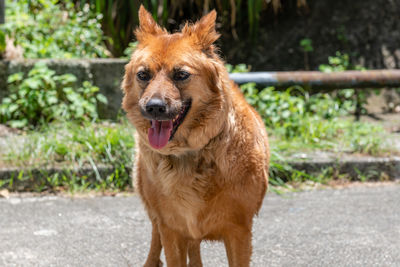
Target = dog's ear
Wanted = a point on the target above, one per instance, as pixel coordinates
(147, 25)
(203, 30)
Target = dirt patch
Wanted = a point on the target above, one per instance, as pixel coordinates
(7, 131)
(339, 184)
(389, 121)
(68, 194)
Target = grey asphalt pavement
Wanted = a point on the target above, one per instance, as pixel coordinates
(356, 226)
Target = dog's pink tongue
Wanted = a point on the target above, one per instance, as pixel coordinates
(159, 133)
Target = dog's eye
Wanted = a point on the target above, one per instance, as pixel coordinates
(181, 75)
(143, 76)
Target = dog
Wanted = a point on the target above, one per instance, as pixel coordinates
(201, 166)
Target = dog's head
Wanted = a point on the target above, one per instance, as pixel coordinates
(173, 85)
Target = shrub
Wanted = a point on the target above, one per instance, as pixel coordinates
(54, 29)
(43, 96)
(292, 111)
(354, 99)
(294, 115)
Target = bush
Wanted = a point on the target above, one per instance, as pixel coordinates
(353, 99)
(292, 111)
(296, 117)
(54, 29)
(43, 97)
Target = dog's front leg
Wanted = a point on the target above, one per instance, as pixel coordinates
(153, 259)
(175, 247)
(238, 248)
(194, 254)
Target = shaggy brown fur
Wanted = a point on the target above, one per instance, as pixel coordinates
(209, 180)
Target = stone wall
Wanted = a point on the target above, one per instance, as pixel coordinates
(368, 30)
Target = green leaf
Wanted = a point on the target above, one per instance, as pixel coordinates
(101, 98)
(37, 100)
(2, 41)
(33, 83)
(15, 77)
(52, 100)
(18, 123)
(12, 108)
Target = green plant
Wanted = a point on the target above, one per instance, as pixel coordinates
(293, 111)
(339, 62)
(280, 172)
(120, 17)
(365, 138)
(297, 121)
(43, 96)
(239, 68)
(350, 97)
(129, 50)
(69, 145)
(306, 45)
(94, 146)
(2, 42)
(54, 29)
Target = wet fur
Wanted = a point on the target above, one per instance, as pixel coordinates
(209, 181)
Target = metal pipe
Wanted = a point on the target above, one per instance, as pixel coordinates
(321, 80)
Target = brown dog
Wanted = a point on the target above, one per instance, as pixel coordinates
(202, 159)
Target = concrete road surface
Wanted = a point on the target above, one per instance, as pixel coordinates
(357, 226)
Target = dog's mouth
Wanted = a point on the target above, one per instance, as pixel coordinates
(162, 131)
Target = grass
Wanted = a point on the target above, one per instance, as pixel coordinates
(94, 146)
(70, 147)
(339, 135)
(76, 143)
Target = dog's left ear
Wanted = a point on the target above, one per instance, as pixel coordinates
(203, 30)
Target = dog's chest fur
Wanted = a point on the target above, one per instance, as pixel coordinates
(186, 184)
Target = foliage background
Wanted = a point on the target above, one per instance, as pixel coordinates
(54, 29)
(240, 18)
(266, 34)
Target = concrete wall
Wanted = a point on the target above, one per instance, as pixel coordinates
(105, 73)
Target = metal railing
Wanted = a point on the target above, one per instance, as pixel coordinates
(321, 80)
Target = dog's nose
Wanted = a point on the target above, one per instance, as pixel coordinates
(156, 107)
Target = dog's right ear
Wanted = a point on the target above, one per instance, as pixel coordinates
(203, 31)
(147, 25)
